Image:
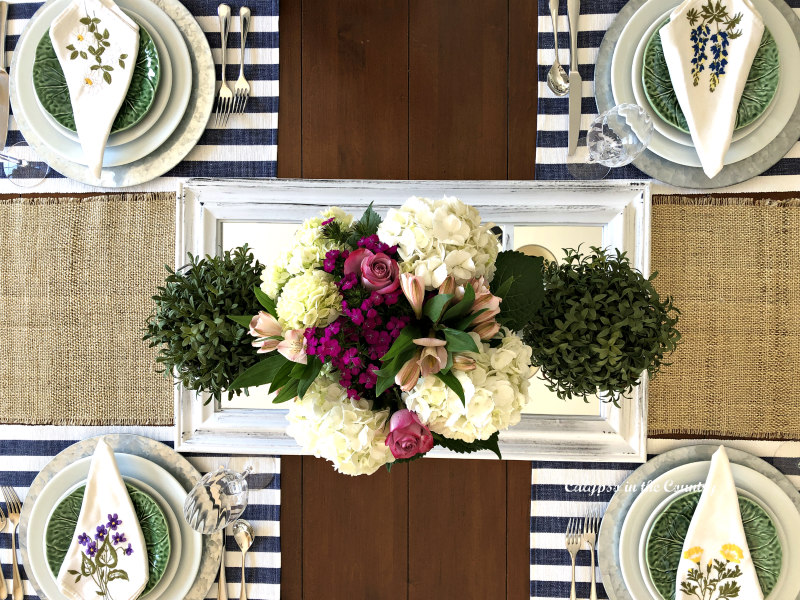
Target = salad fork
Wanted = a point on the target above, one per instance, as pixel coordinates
(574, 543)
(590, 527)
(13, 506)
(241, 91)
(3, 590)
(225, 98)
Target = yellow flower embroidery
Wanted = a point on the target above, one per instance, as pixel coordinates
(694, 554)
(80, 37)
(732, 552)
(88, 81)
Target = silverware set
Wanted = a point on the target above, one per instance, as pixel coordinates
(558, 81)
(13, 507)
(577, 537)
(228, 101)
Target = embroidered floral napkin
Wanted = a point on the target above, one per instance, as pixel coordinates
(107, 558)
(715, 550)
(97, 45)
(709, 46)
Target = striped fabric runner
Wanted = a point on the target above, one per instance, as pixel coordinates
(564, 490)
(247, 147)
(553, 120)
(25, 450)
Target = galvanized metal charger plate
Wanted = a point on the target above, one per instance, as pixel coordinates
(156, 452)
(611, 527)
(179, 143)
(681, 175)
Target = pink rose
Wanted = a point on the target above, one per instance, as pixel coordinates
(407, 436)
(378, 272)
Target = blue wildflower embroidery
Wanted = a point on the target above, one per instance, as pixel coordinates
(724, 31)
(99, 560)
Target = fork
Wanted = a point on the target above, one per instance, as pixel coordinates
(590, 526)
(3, 589)
(225, 98)
(241, 91)
(574, 543)
(13, 506)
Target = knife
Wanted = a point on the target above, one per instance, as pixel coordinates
(3, 76)
(575, 82)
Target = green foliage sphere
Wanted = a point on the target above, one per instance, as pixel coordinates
(600, 326)
(198, 344)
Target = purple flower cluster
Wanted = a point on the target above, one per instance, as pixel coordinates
(354, 343)
(102, 532)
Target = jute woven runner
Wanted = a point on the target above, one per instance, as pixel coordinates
(733, 266)
(76, 280)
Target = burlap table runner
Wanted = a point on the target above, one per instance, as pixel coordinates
(76, 280)
(733, 266)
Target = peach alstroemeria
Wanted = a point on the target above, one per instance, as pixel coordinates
(487, 330)
(266, 328)
(433, 357)
(448, 285)
(413, 287)
(293, 346)
(462, 362)
(408, 375)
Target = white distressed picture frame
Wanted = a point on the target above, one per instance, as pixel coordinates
(621, 209)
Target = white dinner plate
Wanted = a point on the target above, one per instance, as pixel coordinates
(165, 124)
(785, 101)
(159, 103)
(663, 127)
(136, 467)
(764, 491)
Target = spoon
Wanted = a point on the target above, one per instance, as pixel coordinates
(243, 534)
(557, 79)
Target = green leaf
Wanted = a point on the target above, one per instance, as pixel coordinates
(366, 226)
(459, 341)
(121, 64)
(387, 374)
(282, 376)
(242, 320)
(526, 291)
(463, 447)
(105, 36)
(287, 392)
(74, 55)
(106, 556)
(123, 56)
(72, 572)
(404, 341)
(85, 20)
(94, 67)
(265, 301)
(106, 77)
(462, 324)
(433, 308)
(117, 574)
(463, 305)
(310, 374)
(260, 373)
(454, 384)
(71, 47)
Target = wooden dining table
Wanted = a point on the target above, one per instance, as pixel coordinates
(407, 89)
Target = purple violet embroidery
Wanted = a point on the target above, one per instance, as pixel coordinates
(118, 538)
(114, 521)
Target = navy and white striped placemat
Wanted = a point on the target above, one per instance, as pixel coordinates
(564, 490)
(247, 147)
(25, 450)
(553, 114)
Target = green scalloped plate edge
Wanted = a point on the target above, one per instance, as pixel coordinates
(154, 526)
(762, 83)
(51, 86)
(759, 530)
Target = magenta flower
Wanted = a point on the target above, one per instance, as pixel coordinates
(378, 272)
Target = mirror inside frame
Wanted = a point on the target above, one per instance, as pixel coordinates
(267, 240)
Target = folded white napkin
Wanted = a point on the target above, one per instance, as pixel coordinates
(97, 45)
(107, 558)
(709, 46)
(715, 547)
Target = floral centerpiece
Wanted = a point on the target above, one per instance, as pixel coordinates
(388, 338)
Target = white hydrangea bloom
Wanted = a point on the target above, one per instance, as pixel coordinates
(437, 238)
(495, 391)
(346, 432)
(307, 251)
(309, 300)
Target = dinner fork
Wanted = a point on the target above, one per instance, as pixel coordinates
(241, 91)
(590, 526)
(574, 543)
(13, 506)
(225, 98)
(3, 589)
